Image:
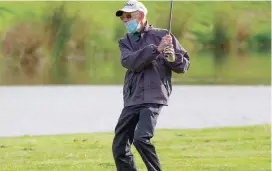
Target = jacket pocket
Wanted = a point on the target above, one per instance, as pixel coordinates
(168, 86)
(129, 87)
(126, 91)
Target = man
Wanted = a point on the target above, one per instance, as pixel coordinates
(147, 85)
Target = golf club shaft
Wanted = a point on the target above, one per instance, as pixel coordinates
(170, 17)
(169, 56)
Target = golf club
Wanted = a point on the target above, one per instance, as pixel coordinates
(170, 17)
(170, 57)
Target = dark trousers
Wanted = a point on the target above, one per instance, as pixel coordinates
(136, 125)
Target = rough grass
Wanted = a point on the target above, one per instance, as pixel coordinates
(213, 149)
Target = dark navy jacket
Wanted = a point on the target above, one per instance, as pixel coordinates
(148, 76)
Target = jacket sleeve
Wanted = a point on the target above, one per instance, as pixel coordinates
(182, 62)
(136, 60)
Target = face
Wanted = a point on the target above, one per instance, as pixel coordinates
(127, 16)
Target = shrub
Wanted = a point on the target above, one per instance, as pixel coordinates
(261, 41)
(22, 50)
(222, 35)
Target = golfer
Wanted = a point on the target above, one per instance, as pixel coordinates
(147, 85)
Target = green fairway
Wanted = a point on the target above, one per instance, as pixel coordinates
(212, 149)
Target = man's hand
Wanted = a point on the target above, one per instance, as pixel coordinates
(169, 49)
(166, 41)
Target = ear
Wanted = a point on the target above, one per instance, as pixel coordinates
(141, 17)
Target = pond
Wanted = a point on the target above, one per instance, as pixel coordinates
(39, 110)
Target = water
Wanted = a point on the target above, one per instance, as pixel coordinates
(73, 109)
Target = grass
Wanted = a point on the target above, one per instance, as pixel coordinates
(210, 149)
(253, 69)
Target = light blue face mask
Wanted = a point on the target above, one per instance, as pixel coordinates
(132, 26)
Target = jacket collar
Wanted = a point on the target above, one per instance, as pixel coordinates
(137, 36)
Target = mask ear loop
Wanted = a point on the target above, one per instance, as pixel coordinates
(140, 16)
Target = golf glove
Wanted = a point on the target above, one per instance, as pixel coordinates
(169, 53)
